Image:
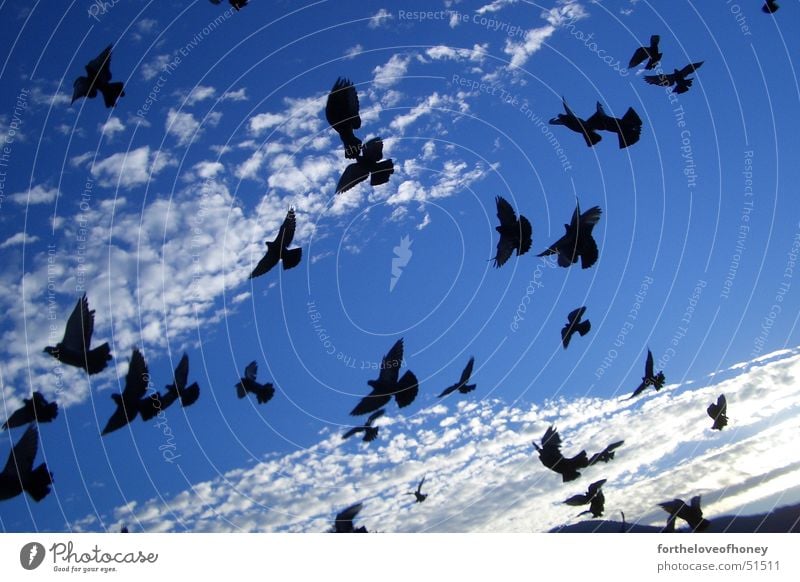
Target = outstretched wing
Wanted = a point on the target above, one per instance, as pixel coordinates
(20, 461)
(407, 389)
(80, 325)
(525, 236)
(690, 68)
(505, 213)
(375, 416)
(136, 381)
(353, 174)
(286, 233)
(251, 371)
(342, 105)
(660, 80)
(551, 439)
(182, 373)
(640, 56)
(390, 365)
(467, 372)
(576, 315)
(99, 68)
(648, 365)
(344, 519)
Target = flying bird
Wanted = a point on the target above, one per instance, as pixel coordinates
(341, 111)
(74, 348)
(577, 242)
(551, 457)
(647, 53)
(129, 402)
(691, 514)
(238, 4)
(98, 79)
(594, 498)
(370, 431)
(515, 235)
(368, 164)
(263, 392)
(574, 324)
(150, 406)
(420, 496)
(628, 128)
(462, 385)
(19, 474)
(719, 413)
(278, 250)
(770, 6)
(34, 409)
(387, 385)
(606, 454)
(576, 124)
(649, 378)
(344, 520)
(677, 78)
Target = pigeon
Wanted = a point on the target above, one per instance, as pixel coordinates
(574, 324)
(98, 79)
(647, 53)
(34, 409)
(770, 6)
(577, 242)
(594, 498)
(420, 496)
(341, 111)
(368, 164)
(677, 78)
(691, 514)
(19, 474)
(129, 402)
(263, 392)
(718, 413)
(238, 4)
(515, 235)
(606, 454)
(576, 124)
(344, 520)
(462, 385)
(151, 405)
(278, 250)
(628, 129)
(551, 457)
(73, 349)
(370, 431)
(649, 378)
(387, 385)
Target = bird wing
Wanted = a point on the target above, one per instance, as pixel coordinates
(286, 233)
(577, 500)
(660, 80)
(595, 487)
(690, 68)
(467, 372)
(343, 104)
(20, 460)
(407, 389)
(348, 515)
(525, 236)
(80, 325)
(353, 174)
(251, 371)
(182, 373)
(589, 218)
(419, 487)
(722, 404)
(375, 416)
(566, 107)
(99, 68)
(137, 380)
(638, 390)
(639, 56)
(588, 252)
(353, 431)
(551, 439)
(576, 315)
(267, 262)
(505, 213)
(390, 365)
(648, 365)
(371, 402)
(566, 335)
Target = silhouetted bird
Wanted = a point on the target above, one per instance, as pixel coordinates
(718, 412)
(341, 112)
(691, 514)
(577, 242)
(551, 457)
(606, 454)
(649, 378)
(36, 408)
(98, 79)
(124, 529)
(770, 7)
(462, 385)
(128, 403)
(594, 498)
(238, 4)
(344, 520)
(19, 474)
(576, 124)
(628, 129)
(420, 496)
(677, 78)
(515, 235)
(370, 431)
(151, 405)
(387, 385)
(647, 53)
(574, 324)
(263, 392)
(278, 249)
(368, 164)
(74, 348)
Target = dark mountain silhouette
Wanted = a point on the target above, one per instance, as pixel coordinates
(594, 498)
(150, 405)
(628, 129)
(19, 474)
(677, 78)
(98, 78)
(34, 409)
(576, 124)
(515, 235)
(341, 111)
(690, 513)
(647, 53)
(278, 250)
(418, 494)
(368, 164)
(574, 324)
(649, 378)
(577, 242)
(462, 385)
(719, 413)
(370, 431)
(387, 385)
(74, 348)
(248, 384)
(128, 403)
(344, 520)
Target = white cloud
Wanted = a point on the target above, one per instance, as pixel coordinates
(155, 67)
(353, 51)
(21, 238)
(520, 52)
(185, 126)
(37, 195)
(380, 18)
(206, 170)
(111, 127)
(128, 169)
(238, 95)
(477, 53)
(392, 72)
(200, 93)
(495, 6)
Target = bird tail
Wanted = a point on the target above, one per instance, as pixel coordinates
(97, 359)
(111, 93)
(630, 128)
(291, 257)
(265, 393)
(380, 175)
(591, 137)
(241, 391)
(467, 388)
(38, 483)
(190, 394)
(370, 434)
(583, 327)
(408, 386)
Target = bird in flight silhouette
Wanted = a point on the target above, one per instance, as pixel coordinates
(462, 385)
(649, 378)
(418, 494)
(770, 6)
(577, 242)
(278, 250)
(129, 402)
(691, 514)
(628, 128)
(594, 498)
(515, 235)
(19, 474)
(576, 124)
(719, 413)
(368, 164)
(551, 457)
(574, 324)
(647, 53)
(74, 348)
(341, 111)
(387, 385)
(677, 78)
(34, 409)
(606, 454)
(149, 406)
(98, 78)
(370, 431)
(344, 520)
(263, 392)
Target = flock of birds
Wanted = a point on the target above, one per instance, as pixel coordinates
(515, 236)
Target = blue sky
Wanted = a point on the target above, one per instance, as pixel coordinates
(222, 128)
